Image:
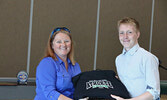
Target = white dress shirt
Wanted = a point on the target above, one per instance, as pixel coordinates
(138, 70)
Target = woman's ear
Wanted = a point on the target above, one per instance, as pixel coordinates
(52, 45)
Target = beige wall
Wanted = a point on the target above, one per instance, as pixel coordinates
(80, 16)
(159, 44)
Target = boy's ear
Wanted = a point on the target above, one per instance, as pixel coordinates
(138, 34)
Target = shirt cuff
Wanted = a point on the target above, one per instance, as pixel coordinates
(154, 92)
(53, 95)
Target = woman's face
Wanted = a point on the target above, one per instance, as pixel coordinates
(61, 45)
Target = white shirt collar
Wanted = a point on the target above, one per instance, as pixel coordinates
(132, 50)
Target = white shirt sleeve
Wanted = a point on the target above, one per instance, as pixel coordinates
(152, 76)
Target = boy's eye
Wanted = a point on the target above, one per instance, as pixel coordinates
(121, 32)
(129, 31)
(66, 41)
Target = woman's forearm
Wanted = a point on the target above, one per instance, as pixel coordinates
(62, 97)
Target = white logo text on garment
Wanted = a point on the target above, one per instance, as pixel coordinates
(99, 84)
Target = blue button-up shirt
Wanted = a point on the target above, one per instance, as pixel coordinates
(52, 79)
(138, 70)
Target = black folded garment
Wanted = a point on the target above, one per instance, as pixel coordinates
(98, 84)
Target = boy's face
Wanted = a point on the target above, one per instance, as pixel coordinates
(128, 36)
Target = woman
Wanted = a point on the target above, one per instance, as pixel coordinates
(54, 72)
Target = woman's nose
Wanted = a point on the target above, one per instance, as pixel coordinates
(63, 43)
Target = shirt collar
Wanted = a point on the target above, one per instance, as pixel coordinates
(132, 50)
(61, 61)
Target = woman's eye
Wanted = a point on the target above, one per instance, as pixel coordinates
(58, 41)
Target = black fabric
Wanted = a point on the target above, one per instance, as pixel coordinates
(98, 84)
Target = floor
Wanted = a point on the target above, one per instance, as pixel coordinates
(163, 97)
